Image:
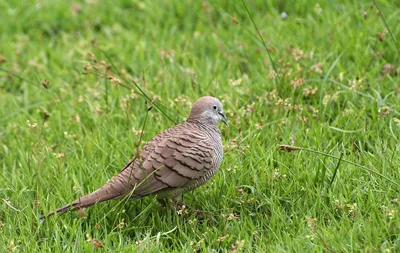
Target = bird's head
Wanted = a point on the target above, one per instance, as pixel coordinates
(208, 109)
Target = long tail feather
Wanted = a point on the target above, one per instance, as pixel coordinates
(117, 187)
(102, 194)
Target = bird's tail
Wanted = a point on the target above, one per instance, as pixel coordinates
(118, 187)
(107, 192)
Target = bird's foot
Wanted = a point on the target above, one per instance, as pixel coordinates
(181, 208)
(200, 212)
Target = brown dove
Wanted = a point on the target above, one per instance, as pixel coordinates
(175, 161)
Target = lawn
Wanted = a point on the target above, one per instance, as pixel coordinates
(84, 84)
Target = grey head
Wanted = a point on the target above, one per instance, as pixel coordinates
(208, 110)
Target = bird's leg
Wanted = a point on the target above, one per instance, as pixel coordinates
(177, 201)
(167, 204)
(163, 202)
(177, 205)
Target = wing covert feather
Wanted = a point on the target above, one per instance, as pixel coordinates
(174, 162)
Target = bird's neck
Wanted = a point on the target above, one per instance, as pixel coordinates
(204, 124)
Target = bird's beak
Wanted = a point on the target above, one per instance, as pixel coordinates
(223, 118)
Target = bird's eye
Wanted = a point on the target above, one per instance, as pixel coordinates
(214, 107)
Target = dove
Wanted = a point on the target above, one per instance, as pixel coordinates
(175, 161)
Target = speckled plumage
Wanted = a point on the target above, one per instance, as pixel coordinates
(176, 160)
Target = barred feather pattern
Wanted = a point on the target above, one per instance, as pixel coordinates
(177, 160)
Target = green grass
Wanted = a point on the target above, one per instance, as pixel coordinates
(341, 56)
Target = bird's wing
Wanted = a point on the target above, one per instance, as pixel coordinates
(175, 162)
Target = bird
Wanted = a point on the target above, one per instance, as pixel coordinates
(177, 160)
